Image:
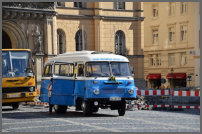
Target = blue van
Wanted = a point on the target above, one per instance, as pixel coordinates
(88, 80)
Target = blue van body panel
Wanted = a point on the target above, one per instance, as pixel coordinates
(80, 88)
(109, 89)
(44, 90)
(62, 92)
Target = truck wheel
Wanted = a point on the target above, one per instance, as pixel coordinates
(15, 106)
(122, 109)
(87, 108)
(60, 108)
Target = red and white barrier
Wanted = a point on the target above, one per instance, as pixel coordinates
(163, 106)
(186, 93)
(152, 92)
(167, 92)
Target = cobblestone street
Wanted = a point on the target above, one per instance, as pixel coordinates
(37, 119)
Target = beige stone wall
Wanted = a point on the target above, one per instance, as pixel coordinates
(101, 32)
(162, 22)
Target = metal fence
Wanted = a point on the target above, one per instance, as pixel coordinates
(172, 98)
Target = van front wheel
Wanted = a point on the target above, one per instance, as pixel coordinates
(122, 109)
(87, 108)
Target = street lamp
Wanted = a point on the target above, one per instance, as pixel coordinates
(171, 82)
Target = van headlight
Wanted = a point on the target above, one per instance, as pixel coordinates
(96, 91)
(31, 89)
(131, 91)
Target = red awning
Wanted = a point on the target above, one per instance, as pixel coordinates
(176, 76)
(154, 76)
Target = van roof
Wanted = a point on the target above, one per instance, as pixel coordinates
(88, 56)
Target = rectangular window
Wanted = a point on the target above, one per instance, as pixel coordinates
(155, 36)
(60, 4)
(155, 11)
(183, 59)
(158, 60)
(183, 7)
(171, 8)
(155, 60)
(183, 32)
(80, 4)
(64, 69)
(48, 71)
(151, 60)
(119, 5)
(171, 59)
(80, 70)
(171, 34)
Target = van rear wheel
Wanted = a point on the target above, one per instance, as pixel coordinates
(87, 108)
(60, 108)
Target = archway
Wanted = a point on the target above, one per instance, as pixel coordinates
(6, 41)
(14, 35)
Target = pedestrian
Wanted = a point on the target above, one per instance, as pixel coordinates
(49, 95)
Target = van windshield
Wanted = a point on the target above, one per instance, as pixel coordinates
(102, 69)
(120, 69)
(97, 69)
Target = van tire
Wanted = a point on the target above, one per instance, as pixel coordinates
(122, 109)
(87, 108)
(15, 106)
(95, 109)
(60, 108)
(78, 104)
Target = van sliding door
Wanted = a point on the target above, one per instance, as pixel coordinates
(63, 84)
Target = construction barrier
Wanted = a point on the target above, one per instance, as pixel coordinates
(166, 98)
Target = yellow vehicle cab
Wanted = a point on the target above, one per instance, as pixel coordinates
(18, 79)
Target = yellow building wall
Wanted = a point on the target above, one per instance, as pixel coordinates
(162, 22)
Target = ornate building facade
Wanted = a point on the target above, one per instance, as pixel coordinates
(171, 44)
(52, 28)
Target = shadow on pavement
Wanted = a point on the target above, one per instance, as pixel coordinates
(32, 115)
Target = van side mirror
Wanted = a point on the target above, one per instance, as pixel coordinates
(33, 61)
(132, 70)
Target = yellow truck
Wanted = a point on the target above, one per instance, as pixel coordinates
(18, 79)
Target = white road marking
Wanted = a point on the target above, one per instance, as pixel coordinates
(37, 127)
(157, 123)
(88, 125)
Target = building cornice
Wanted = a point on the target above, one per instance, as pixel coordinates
(69, 16)
(40, 11)
(102, 9)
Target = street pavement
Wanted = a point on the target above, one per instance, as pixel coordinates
(37, 119)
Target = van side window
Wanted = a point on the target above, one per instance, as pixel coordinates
(64, 70)
(80, 70)
(48, 71)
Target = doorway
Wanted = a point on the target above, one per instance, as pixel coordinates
(6, 41)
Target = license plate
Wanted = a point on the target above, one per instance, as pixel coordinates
(115, 98)
(14, 95)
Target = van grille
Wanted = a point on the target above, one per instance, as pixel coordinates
(113, 91)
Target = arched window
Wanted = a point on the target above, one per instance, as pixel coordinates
(60, 42)
(120, 43)
(80, 40)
